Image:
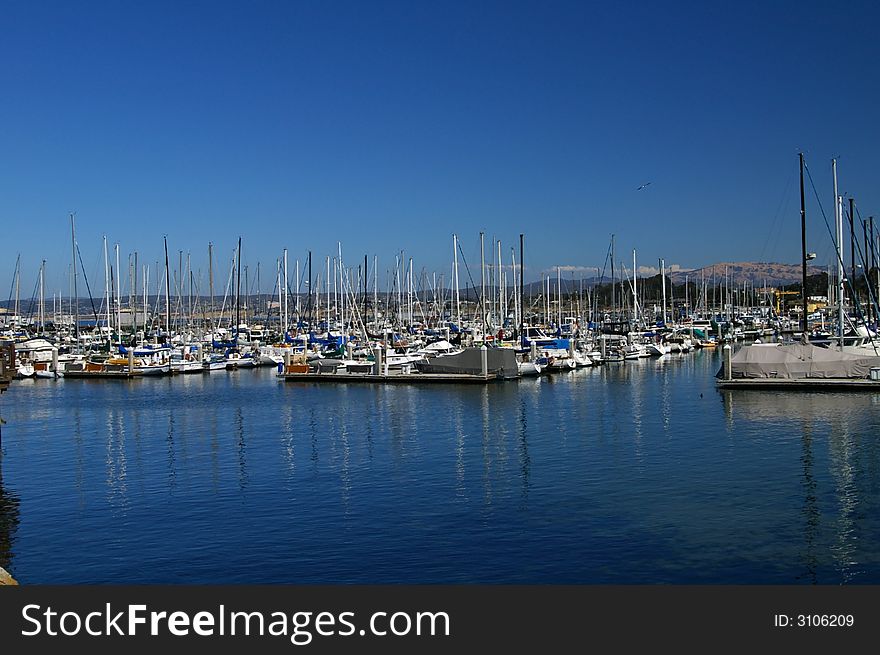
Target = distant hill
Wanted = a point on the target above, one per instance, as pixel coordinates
(773, 273)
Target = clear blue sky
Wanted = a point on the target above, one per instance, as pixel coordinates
(390, 125)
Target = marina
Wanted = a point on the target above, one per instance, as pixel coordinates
(441, 294)
(634, 429)
(627, 473)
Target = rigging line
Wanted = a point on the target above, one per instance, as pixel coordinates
(269, 309)
(781, 208)
(473, 284)
(864, 258)
(871, 297)
(839, 257)
(88, 288)
(12, 286)
(33, 299)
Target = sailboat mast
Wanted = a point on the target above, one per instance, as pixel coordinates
(238, 290)
(867, 260)
(500, 287)
(296, 304)
(838, 217)
(482, 285)
(75, 300)
(803, 250)
(341, 300)
(211, 272)
(613, 282)
(146, 305)
(286, 320)
(852, 251)
(118, 296)
(521, 313)
(107, 292)
(455, 279)
(189, 275)
(663, 281)
(310, 290)
(42, 316)
(167, 294)
(558, 298)
(327, 285)
(376, 291)
(280, 304)
(516, 313)
(635, 294)
(132, 292)
(874, 266)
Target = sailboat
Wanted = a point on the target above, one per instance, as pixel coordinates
(806, 365)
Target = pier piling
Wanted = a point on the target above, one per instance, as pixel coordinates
(728, 371)
(377, 361)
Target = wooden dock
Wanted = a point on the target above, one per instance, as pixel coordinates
(801, 384)
(396, 377)
(7, 364)
(96, 375)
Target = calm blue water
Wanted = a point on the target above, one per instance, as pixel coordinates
(630, 473)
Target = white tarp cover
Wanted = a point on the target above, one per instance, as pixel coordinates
(795, 361)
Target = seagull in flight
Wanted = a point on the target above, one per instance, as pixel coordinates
(643, 186)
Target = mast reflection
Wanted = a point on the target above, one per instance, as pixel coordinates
(824, 420)
(9, 521)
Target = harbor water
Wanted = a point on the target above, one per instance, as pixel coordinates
(635, 472)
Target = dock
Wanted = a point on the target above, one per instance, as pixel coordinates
(7, 364)
(116, 375)
(801, 384)
(392, 377)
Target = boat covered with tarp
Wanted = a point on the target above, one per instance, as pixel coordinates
(799, 361)
(501, 362)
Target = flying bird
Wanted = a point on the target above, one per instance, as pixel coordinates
(643, 186)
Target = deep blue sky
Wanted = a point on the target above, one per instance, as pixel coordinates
(391, 125)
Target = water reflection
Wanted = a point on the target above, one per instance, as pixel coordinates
(843, 471)
(811, 508)
(79, 475)
(458, 429)
(172, 470)
(616, 474)
(832, 417)
(116, 460)
(525, 461)
(9, 520)
(287, 441)
(242, 448)
(487, 457)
